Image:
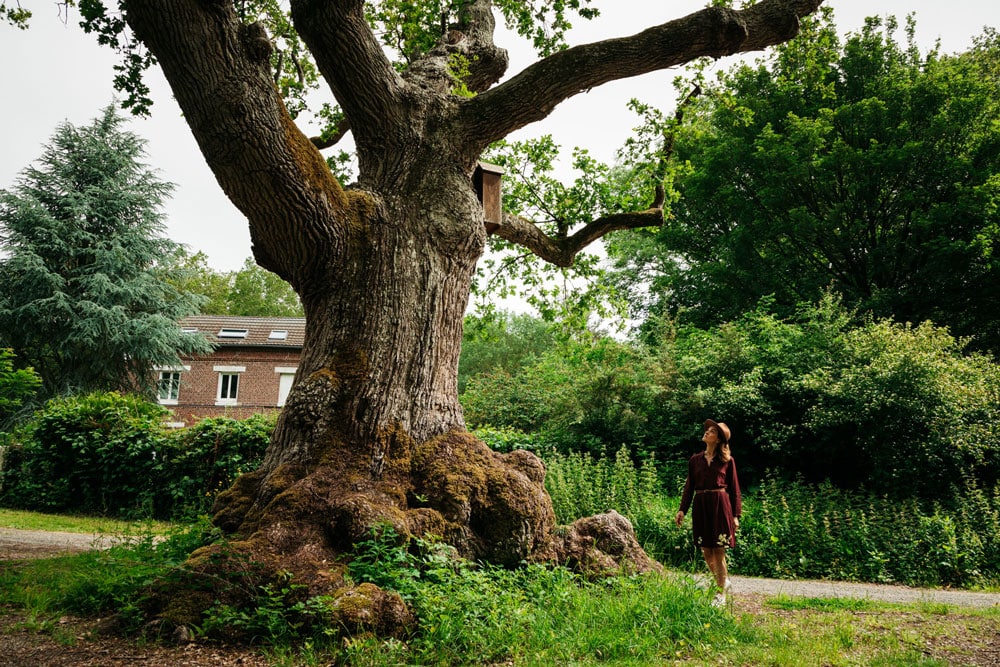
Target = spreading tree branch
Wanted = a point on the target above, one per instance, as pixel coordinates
(561, 251)
(713, 32)
(352, 62)
(219, 71)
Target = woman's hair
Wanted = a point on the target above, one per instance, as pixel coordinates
(723, 446)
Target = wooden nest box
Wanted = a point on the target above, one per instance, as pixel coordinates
(486, 181)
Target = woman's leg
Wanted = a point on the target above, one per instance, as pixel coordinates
(716, 559)
(709, 555)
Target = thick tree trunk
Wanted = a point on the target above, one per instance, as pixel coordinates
(373, 432)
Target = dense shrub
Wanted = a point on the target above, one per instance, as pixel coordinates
(804, 531)
(893, 408)
(94, 453)
(584, 395)
(798, 530)
(200, 461)
(499, 340)
(106, 453)
(17, 387)
(897, 409)
(506, 439)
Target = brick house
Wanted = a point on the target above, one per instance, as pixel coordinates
(250, 370)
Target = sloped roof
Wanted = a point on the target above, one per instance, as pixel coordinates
(248, 331)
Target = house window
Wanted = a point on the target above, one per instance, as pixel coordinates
(229, 384)
(169, 387)
(233, 333)
(278, 334)
(286, 377)
(168, 383)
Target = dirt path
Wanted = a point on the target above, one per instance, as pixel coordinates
(16, 544)
(880, 592)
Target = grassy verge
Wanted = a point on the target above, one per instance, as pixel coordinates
(484, 616)
(806, 632)
(96, 582)
(471, 615)
(24, 520)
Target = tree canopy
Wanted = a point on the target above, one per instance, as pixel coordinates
(83, 294)
(249, 291)
(864, 166)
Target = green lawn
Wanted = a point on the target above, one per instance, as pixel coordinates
(76, 524)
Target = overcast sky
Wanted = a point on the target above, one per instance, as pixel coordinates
(54, 73)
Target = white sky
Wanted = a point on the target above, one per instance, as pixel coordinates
(54, 73)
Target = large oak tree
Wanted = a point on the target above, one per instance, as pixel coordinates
(373, 430)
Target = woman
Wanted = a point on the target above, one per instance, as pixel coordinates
(713, 486)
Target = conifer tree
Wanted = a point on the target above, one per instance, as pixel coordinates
(83, 295)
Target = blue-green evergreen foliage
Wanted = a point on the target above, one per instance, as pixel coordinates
(83, 295)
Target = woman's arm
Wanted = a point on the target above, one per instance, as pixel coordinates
(686, 497)
(733, 489)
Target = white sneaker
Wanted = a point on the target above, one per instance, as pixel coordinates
(719, 600)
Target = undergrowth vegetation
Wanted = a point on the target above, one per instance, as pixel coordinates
(101, 582)
(109, 454)
(467, 614)
(792, 529)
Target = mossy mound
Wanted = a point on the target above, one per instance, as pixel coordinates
(299, 522)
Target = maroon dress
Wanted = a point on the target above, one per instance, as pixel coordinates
(715, 490)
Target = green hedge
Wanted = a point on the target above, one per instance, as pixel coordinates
(105, 453)
(868, 404)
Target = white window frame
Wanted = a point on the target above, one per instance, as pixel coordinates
(161, 370)
(283, 389)
(228, 371)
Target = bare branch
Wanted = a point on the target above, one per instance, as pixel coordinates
(562, 251)
(343, 127)
(714, 32)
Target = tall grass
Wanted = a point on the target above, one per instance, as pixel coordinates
(475, 615)
(100, 581)
(796, 530)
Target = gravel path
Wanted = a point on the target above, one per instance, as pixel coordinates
(36, 543)
(15, 543)
(881, 592)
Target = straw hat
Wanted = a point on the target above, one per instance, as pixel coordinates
(720, 427)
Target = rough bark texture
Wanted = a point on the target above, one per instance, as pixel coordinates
(372, 431)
